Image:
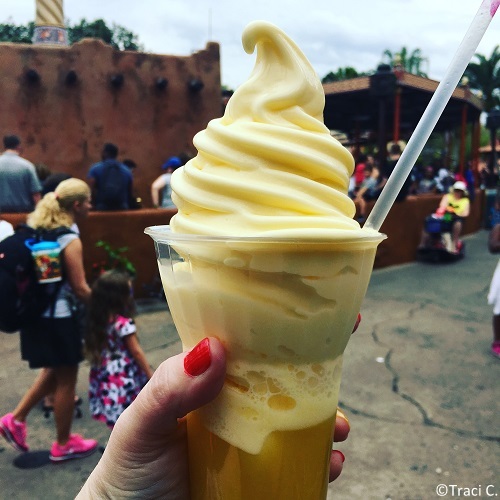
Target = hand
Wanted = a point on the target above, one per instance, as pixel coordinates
(337, 458)
(146, 456)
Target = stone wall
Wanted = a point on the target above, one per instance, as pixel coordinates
(67, 114)
(403, 228)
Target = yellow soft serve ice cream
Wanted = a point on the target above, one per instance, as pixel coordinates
(269, 166)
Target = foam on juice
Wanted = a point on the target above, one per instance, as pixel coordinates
(284, 332)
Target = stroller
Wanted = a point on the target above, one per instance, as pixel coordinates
(439, 247)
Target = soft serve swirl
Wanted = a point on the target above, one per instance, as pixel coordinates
(269, 166)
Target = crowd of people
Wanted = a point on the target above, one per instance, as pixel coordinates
(369, 178)
(22, 183)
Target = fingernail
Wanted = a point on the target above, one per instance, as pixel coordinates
(341, 414)
(340, 454)
(198, 359)
(358, 321)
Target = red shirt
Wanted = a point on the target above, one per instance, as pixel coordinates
(359, 173)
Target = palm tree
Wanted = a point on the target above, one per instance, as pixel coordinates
(484, 76)
(410, 61)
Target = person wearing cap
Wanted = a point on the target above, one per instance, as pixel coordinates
(161, 186)
(456, 203)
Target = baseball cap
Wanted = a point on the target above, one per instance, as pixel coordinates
(173, 161)
(460, 185)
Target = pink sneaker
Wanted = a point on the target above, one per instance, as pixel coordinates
(495, 349)
(76, 447)
(14, 432)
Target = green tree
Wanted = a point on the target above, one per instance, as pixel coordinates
(341, 74)
(17, 34)
(95, 29)
(117, 36)
(484, 76)
(411, 62)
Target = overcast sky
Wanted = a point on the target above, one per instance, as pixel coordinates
(331, 33)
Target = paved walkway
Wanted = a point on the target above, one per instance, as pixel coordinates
(419, 386)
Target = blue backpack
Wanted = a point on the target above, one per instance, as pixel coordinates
(22, 298)
(113, 186)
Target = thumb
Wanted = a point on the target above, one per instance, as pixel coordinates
(147, 450)
(179, 385)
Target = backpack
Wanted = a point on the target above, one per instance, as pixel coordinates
(22, 298)
(113, 186)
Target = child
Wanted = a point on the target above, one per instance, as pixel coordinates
(119, 369)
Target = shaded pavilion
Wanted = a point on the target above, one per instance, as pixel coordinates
(355, 107)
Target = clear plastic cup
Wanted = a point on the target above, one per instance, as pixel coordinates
(284, 310)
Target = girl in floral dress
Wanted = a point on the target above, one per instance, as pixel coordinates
(119, 369)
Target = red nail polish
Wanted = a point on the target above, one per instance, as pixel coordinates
(358, 321)
(342, 456)
(198, 359)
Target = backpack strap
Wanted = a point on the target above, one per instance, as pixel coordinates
(40, 233)
(24, 228)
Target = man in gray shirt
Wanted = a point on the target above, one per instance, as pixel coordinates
(20, 187)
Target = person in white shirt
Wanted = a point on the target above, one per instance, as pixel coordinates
(6, 229)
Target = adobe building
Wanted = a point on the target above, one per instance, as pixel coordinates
(65, 102)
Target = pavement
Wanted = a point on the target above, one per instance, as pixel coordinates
(419, 386)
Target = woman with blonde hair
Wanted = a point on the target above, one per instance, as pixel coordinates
(53, 342)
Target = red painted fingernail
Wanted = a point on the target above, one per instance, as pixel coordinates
(342, 456)
(341, 414)
(358, 321)
(198, 359)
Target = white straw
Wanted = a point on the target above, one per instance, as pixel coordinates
(432, 113)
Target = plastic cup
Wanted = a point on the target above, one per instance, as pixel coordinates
(284, 310)
(46, 257)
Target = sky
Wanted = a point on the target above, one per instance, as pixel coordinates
(331, 33)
